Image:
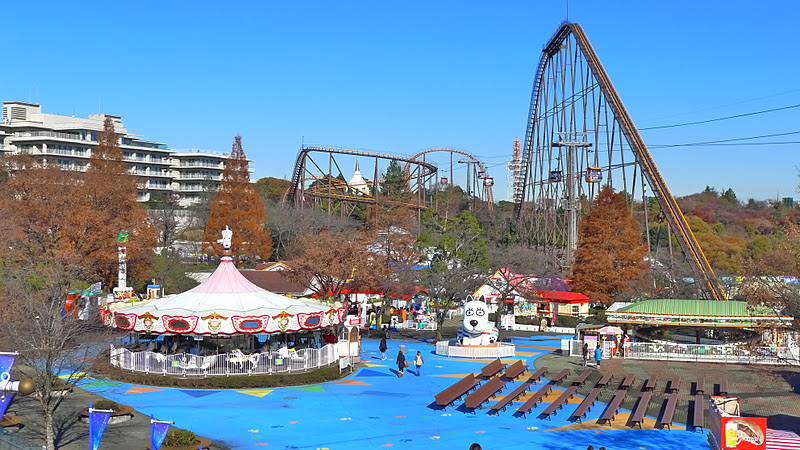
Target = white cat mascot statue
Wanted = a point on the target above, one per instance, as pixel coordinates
(476, 329)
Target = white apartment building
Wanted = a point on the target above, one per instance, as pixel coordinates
(68, 142)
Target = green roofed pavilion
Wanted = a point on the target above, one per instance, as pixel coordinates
(697, 313)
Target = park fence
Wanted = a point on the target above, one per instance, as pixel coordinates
(732, 354)
(451, 348)
(225, 364)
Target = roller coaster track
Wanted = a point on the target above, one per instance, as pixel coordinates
(300, 176)
(669, 206)
(487, 190)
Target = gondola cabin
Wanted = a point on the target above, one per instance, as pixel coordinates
(481, 174)
(594, 174)
(556, 176)
(488, 181)
(443, 180)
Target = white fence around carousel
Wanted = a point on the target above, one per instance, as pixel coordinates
(699, 353)
(225, 364)
(498, 350)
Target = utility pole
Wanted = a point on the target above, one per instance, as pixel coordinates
(571, 141)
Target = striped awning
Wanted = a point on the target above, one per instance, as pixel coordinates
(696, 308)
(782, 440)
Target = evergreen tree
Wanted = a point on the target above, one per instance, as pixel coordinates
(394, 181)
(610, 259)
(238, 205)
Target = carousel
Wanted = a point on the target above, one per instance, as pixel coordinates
(224, 326)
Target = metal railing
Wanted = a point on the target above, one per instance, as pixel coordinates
(451, 348)
(730, 354)
(225, 364)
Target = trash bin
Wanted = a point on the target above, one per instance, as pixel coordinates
(403, 348)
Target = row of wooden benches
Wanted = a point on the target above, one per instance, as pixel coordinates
(496, 384)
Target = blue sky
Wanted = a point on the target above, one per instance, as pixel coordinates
(400, 77)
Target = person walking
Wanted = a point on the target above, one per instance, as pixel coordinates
(382, 347)
(418, 361)
(585, 354)
(401, 363)
(598, 356)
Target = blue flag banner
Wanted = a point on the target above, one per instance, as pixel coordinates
(6, 361)
(158, 432)
(97, 425)
(5, 400)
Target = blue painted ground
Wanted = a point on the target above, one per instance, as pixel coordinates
(373, 408)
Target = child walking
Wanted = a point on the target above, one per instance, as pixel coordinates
(418, 361)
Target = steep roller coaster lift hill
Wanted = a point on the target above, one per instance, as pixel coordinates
(644, 160)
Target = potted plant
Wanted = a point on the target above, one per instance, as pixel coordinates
(180, 439)
(119, 414)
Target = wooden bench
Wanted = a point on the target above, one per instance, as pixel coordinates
(510, 397)
(450, 394)
(699, 407)
(538, 375)
(700, 386)
(582, 377)
(515, 370)
(674, 386)
(586, 404)
(613, 406)
(641, 408)
(627, 382)
(559, 376)
(492, 369)
(484, 393)
(559, 402)
(651, 383)
(669, 411)
(605, 380)
(534, 400)
(723, 387)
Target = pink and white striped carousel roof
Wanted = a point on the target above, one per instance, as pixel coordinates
(228, 294)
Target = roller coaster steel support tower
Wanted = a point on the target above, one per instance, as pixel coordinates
(311, 183)
(579, 134)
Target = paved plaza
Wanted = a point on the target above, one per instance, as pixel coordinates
(373, 408)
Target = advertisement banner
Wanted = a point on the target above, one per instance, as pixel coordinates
(158, 432)
(591, 341)
(97, 425)
(744, 433)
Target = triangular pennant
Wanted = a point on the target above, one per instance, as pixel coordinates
(141, 389)
(158, 431)
(312, 388)
(97, 425)
(257, 393)
(198, 393)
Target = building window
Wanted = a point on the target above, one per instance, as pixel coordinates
(576, 309)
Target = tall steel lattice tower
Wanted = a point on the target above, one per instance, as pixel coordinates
(579, 136)
(516, 177)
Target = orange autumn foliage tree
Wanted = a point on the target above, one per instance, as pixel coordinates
(112, 208)
(238, 205)
(57, 216)
(610, 258)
